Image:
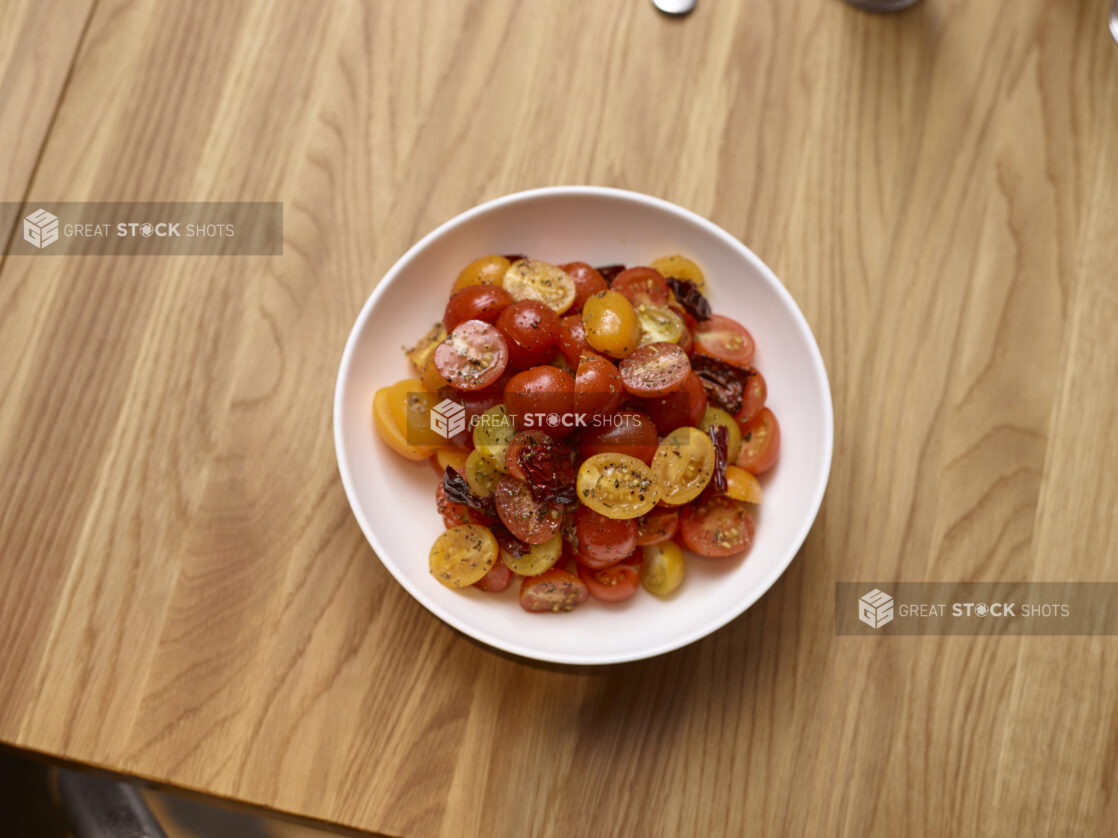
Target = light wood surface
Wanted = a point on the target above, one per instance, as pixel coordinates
(187, 598)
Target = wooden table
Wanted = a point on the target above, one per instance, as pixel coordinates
(186, 597)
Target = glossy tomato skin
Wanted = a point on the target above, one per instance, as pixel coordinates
(496, 579)
(556, 590)
(528, 520)
(531, 330)
(542, 390)
(760, 443)
(572, 338)
(716, 526)
(476, 302)
(473, 356)
(657, 526)
(522, 441)
(756, 391)
(724, 338)
(643, 286)
(615, 583)
(628, 432)
(686, 406)
(587, 281)
(603, 541)
(598, 387)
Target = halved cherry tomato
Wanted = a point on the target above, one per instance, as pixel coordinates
(617, 486)
(655, 370)
(555, 590)
(532, 279)
(523, 440)
(725, 339)
(642, 286)
(542, 398)
(657, 526)
(754, 397)
(612, 327)
(625, 432)
(603, 541)
(531, 559)
(476, 302)
(681, 268)
(480, 474)
(473, 356)
(663, 568)
(449, 455)
(462, 555)
(683, 465)
(686, 406)
(392, 433)
(598, 387)
(716, 526)
(760, 443)
(660, 324)
(717, 416)
(587, 281)
(572, 338)
(496, 579)
(528, 520)
(741, 485)
(615, 583)
(493, 431)
(530, 329)
(486, 270)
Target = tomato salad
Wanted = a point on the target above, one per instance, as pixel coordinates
(606, 418)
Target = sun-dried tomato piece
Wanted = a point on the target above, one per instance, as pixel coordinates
(610, 272)
(548, 471)
(690, 297)
(458, 490)
(720, 436)
(724, 383)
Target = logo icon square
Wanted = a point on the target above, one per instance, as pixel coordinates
(40, 228)
(448, 418)
(875, 609)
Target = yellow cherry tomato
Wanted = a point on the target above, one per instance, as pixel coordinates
(662, 571)
(481, 475)
(612, 325)
(422, 357)
(386, 407)
(462, 555)
(741, 485)
(682, 465)
(681, 268)
(492, 434)
(659, 324)
(536, 558)
(616, 485)
(531, 279)
(452, 456)
(486, 270)
(718, 416)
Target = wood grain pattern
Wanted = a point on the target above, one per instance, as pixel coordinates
(187, 597)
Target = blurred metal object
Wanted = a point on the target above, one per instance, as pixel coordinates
(882, 5)
(674, 7)
(101, 808)
(1114, 20)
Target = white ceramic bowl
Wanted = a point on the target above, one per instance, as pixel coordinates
(393, 499)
